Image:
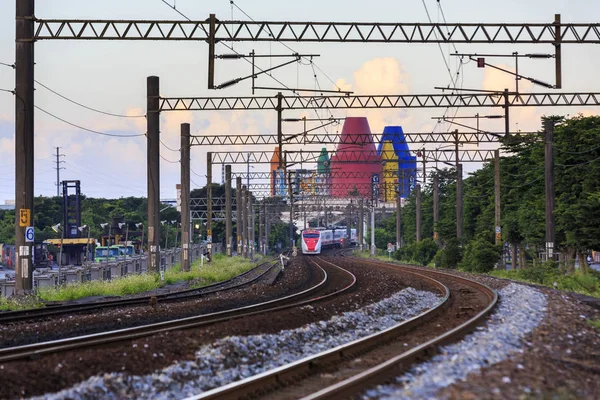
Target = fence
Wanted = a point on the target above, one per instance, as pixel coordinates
(123, 266)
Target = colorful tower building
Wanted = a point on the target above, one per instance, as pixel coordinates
(406, 163)
(278, 185)
(356, 164)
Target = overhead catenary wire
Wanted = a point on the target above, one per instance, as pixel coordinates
(87, 129)
(288, 47)
(13, 66)
(87, 107)
(169, 161)
(576, 152)
(168, 148)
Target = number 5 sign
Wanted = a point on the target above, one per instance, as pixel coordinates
(24, 217)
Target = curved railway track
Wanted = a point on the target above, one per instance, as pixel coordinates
(303, 377)
(324, 289)
(246, 278)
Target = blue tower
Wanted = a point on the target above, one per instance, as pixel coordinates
(407, 163)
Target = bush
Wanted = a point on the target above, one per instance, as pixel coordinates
(425, 251)
(418, 253)
(450, 256)
(405, 253)
(480, 256)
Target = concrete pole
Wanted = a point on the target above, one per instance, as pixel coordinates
(244, 221)
(228, 221)
(436, 207)
(291, 194)
(418, 217)
(459, 202)
(549, 186)
(398, 221)
(373, 248)
(209, 205)
(361, 224)
(267, 228)
(239, 226)
(348, 222)
(185, 196)
(497, 196)
(24, 155)
(250, 226)
(153, 157)
(261, 216)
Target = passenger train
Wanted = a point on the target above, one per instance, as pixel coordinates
(316, 239)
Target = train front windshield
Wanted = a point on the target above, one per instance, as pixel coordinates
(311, 235)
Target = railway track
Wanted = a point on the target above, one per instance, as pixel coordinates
(246, 278)
(303, 378)
(324, 289)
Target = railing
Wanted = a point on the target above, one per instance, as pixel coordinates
(105, 270)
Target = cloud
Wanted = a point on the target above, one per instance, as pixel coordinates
(384, 75)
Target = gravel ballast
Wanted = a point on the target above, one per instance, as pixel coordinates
(520, 311)
(237, 357)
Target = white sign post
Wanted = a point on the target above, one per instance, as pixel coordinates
(29, 235)
(390, 250)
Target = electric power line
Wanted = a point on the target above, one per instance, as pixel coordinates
(576, 165)
(8, 65)
(87, 107)
(168, 148)
(576, 152)
(169, 161)
(86, 129)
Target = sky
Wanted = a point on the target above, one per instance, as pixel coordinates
(111, 76)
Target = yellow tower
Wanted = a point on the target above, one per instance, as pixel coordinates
(389, 171)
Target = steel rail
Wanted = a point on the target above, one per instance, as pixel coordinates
(389, 369)
(37, 349)
(182, 295)
(280, 376)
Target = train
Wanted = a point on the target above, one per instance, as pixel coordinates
(314, 240)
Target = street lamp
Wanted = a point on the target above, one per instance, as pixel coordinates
(56, 228)
(87, 246)
(138, 226)
(126, 236)
(166, 233)
(109, 230)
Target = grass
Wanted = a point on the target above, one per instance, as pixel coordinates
(221, 268)
(588, 284)
(594, 323)
(20, 303)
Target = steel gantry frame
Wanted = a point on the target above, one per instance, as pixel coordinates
(337, 32)
(30, 29)
(337, 138)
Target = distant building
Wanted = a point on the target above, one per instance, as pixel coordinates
(355, 166)
(8, 205)
(406, 163)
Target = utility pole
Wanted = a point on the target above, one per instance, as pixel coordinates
(459, 196)
(398, 220)
(373, 248)
(228, 221)
(497, 197)
(549, 185)
(267, 228)
(239, 225)
(361, 224)
(153, 157)
(261, 216)
(418, 196)
(58, 168)
(280, 129)
(185, 197)
(24, 156)
(348, 222)
(250, 226)
(244, 217)
(209, 205)
(291, 194)
(436, 207)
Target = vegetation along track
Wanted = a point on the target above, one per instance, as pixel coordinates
(378, 357)
(335, 281)
(246, 278)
